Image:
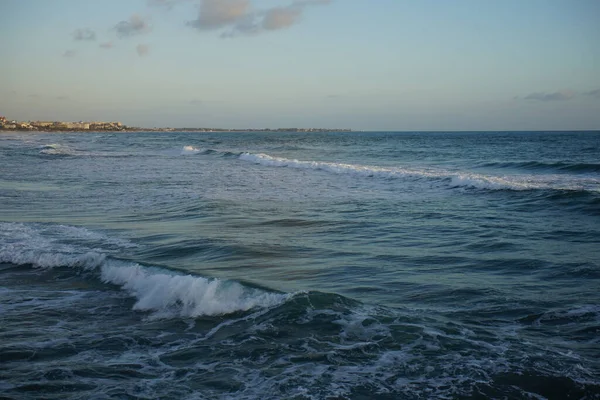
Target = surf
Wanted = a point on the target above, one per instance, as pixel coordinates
(163, 292)
(450, 178)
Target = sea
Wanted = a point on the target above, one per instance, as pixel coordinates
(272, 265)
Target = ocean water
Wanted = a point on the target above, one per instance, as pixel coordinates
(300, 266)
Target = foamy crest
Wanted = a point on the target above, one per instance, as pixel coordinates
(491, 182)
(166, 294)
(21, 244)
(188, 150)
(58, 150)
(337, 168)
(41, 259)
(453, 178)
(526, 182)
(185, 295)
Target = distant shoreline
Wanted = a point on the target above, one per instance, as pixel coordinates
(200, 130)
(83, 127)
(142, 130)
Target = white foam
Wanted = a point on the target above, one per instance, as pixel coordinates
(22, 244)
(188, 150)
(59, 149)
(166, 294)
(40, 259)
(338, 168)
(184, 295)
(51, 238)
(448, 177)
(584, 309)
(359, 326)
(517, 182)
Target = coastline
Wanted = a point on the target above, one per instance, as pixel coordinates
(163, 130)
(94, 126)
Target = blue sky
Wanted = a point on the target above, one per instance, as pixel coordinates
(361, 64)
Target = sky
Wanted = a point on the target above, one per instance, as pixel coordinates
(362, 64)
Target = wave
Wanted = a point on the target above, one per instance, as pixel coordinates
(295, 338)
(56, 149)
(171, 295)
(337, 168)
(538, 165)
(165, 293)
(187, 150)
(61, 150)
(586, 313)
(521, 182)
(449, 178)
(193, 150)
(452, 178)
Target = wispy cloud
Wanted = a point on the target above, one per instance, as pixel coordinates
(134, 26)
(556, 96)
(196, 102)
(62, 98)
(593, 93)
(84, 34)
(69, 53)
(142, 50)
(107, 45)
(241, 19)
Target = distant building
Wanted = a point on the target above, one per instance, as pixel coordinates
(43, 124)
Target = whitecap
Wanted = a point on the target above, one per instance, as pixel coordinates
(171, 295)
(188, 150)
(452, 178)
(165, 293)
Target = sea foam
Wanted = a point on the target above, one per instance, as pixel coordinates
(56, 149)
(517, 182)
(184, 295)
(188, 150)
(336, 168)
(165, 293)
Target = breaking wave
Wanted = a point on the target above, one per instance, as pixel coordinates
(59, 150)
(165, 293)
(311, 344)
(184, 295)
(187, 150)
(454, 178)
